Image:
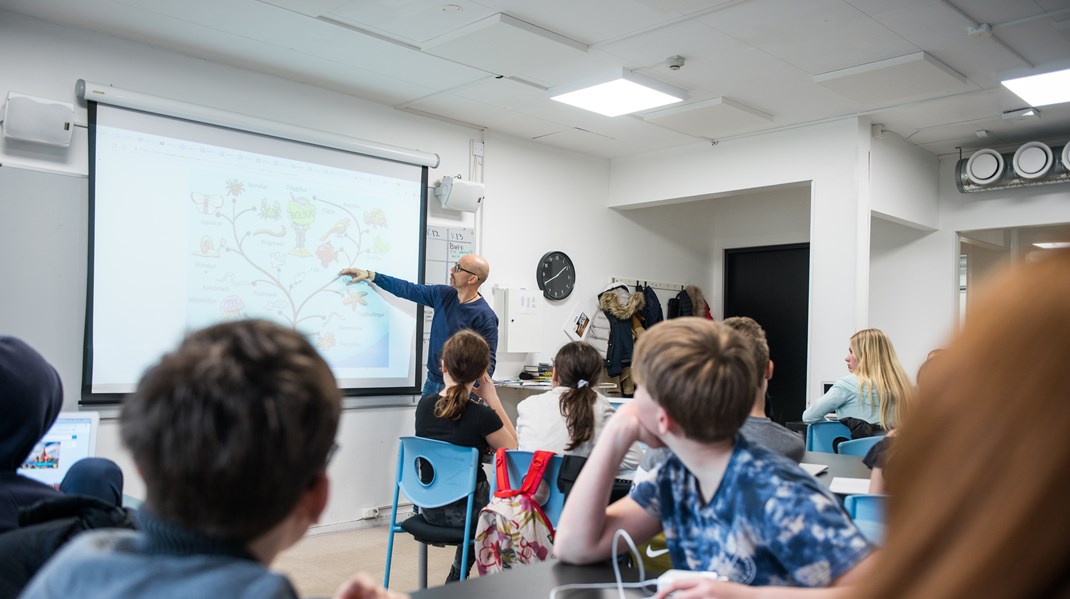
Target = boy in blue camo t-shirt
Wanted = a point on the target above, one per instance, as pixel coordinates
(726, 506)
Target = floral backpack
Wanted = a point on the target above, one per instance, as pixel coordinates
(513, 529)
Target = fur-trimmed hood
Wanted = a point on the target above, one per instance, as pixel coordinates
(698, 302)
(621, 303)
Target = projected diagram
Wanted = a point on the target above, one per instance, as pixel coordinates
(263, 248)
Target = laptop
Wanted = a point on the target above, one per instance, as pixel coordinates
(73, 436)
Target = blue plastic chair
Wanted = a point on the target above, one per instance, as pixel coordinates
(453, 477)
(518, 462)
(868, 513)
(821, 436)
(858, 447)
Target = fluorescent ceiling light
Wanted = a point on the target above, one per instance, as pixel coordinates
(1053, 245)
(1041, 90)
(623, 92)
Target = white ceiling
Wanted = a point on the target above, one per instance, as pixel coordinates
(751, 65)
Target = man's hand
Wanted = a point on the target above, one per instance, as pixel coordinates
(358, 274)
(361, 586)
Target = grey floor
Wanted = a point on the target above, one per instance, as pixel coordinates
(321, 562)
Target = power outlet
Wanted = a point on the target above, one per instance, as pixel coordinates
(369, 513)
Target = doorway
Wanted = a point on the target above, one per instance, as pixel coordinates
(771, 284)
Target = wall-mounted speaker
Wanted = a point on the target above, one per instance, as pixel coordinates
(456, 194)
(38, 120)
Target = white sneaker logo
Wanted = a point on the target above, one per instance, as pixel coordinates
(654, 553)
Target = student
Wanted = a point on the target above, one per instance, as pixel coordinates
(874, 387)
(450, 415)
(725, 505)
(232, 433)
(31, 396)
(758, 428)
(568, 418)
(458, 306)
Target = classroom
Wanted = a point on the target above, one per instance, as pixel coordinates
(879, 209)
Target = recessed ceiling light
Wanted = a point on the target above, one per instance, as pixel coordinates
(1043, 89)
(1052, 245)
(621, 92)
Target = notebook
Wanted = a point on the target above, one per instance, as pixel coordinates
(73, 436)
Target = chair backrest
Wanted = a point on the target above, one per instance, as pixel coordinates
(822, 436)
(453, 471)
(868, 508)
(858, 447)
(518, 462)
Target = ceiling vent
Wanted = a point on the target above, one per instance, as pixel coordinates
(1033, 163)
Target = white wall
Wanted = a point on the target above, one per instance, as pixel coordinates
(833, 158)
(903, 179)
(538, 198)
(914, 276)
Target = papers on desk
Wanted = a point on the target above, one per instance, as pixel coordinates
(849, 486)
(814, 469)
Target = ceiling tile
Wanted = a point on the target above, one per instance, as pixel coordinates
(911, 76)
(711, 118)
(814, 35)
(503, 45)
(412, 21)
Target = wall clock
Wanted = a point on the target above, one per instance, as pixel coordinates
(556, 275)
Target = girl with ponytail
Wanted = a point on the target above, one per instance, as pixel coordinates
(450, 415)
(568, 418)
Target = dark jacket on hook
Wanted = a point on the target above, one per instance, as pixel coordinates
(652, 311)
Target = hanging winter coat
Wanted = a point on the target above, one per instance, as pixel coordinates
(699, 307)
(652, 312)
(618, 306)
(684, 307)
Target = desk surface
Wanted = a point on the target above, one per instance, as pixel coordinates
(840, 466)
(537, 580)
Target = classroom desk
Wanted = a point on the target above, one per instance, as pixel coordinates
(842, 466)
(536, 581)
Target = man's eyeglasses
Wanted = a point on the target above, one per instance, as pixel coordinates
(457, 266)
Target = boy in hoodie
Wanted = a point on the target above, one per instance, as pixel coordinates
(31, 396)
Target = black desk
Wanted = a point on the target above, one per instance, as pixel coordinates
(842, 466)
(537, 580)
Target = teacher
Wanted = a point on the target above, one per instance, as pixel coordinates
(457, 306)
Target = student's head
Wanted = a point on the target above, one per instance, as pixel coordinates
(31, 396)
(976, 485)
(465, 357)
(873, 361)
(577, 367)
(232, 429)
(755, 334)
(700, 373)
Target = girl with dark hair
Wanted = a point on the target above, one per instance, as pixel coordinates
(450, 415)
(568, 418)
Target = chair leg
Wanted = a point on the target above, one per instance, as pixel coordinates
(389, 556)
(421, 567)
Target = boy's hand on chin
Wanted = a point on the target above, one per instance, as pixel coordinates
(630, 428)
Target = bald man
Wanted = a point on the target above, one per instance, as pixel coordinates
(457, 306)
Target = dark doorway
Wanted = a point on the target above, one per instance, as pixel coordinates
(771, 284)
